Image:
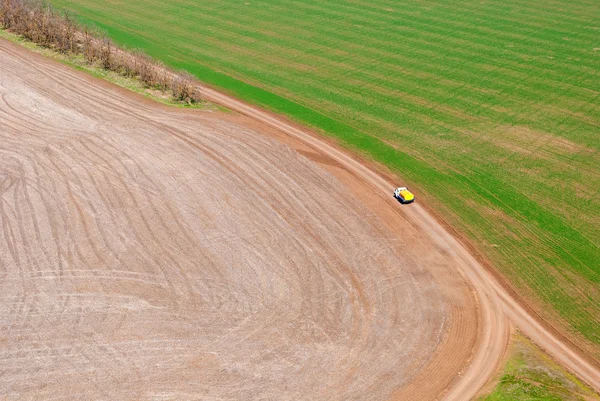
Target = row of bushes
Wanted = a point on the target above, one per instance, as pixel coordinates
(58, 30)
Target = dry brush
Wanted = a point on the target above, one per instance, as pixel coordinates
(58, 30)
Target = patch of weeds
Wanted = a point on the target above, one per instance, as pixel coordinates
(530, 375)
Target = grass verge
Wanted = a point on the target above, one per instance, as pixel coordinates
(531, 375)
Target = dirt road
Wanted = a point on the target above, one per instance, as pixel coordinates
(160, 254)
(496, 301)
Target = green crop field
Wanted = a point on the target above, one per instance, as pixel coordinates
(489, 109)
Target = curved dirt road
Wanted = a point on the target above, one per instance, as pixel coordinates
(151, 253)
(496, 302)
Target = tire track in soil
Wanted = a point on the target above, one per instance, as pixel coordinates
(259, 274)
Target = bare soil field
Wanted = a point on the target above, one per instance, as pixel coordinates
(160, 254)
(487, 109)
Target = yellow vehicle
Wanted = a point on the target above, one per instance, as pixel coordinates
(404, 195)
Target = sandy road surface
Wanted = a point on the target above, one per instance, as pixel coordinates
(496, 301)
(157, 254)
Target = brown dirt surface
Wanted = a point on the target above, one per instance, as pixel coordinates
(157, 254)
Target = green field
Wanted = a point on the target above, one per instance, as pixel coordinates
(489, 109)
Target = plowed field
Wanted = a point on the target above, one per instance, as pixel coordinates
(148, 253)
(490, 109)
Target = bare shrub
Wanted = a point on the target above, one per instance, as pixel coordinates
(38, 23)
(184, 88)
(58, 30)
